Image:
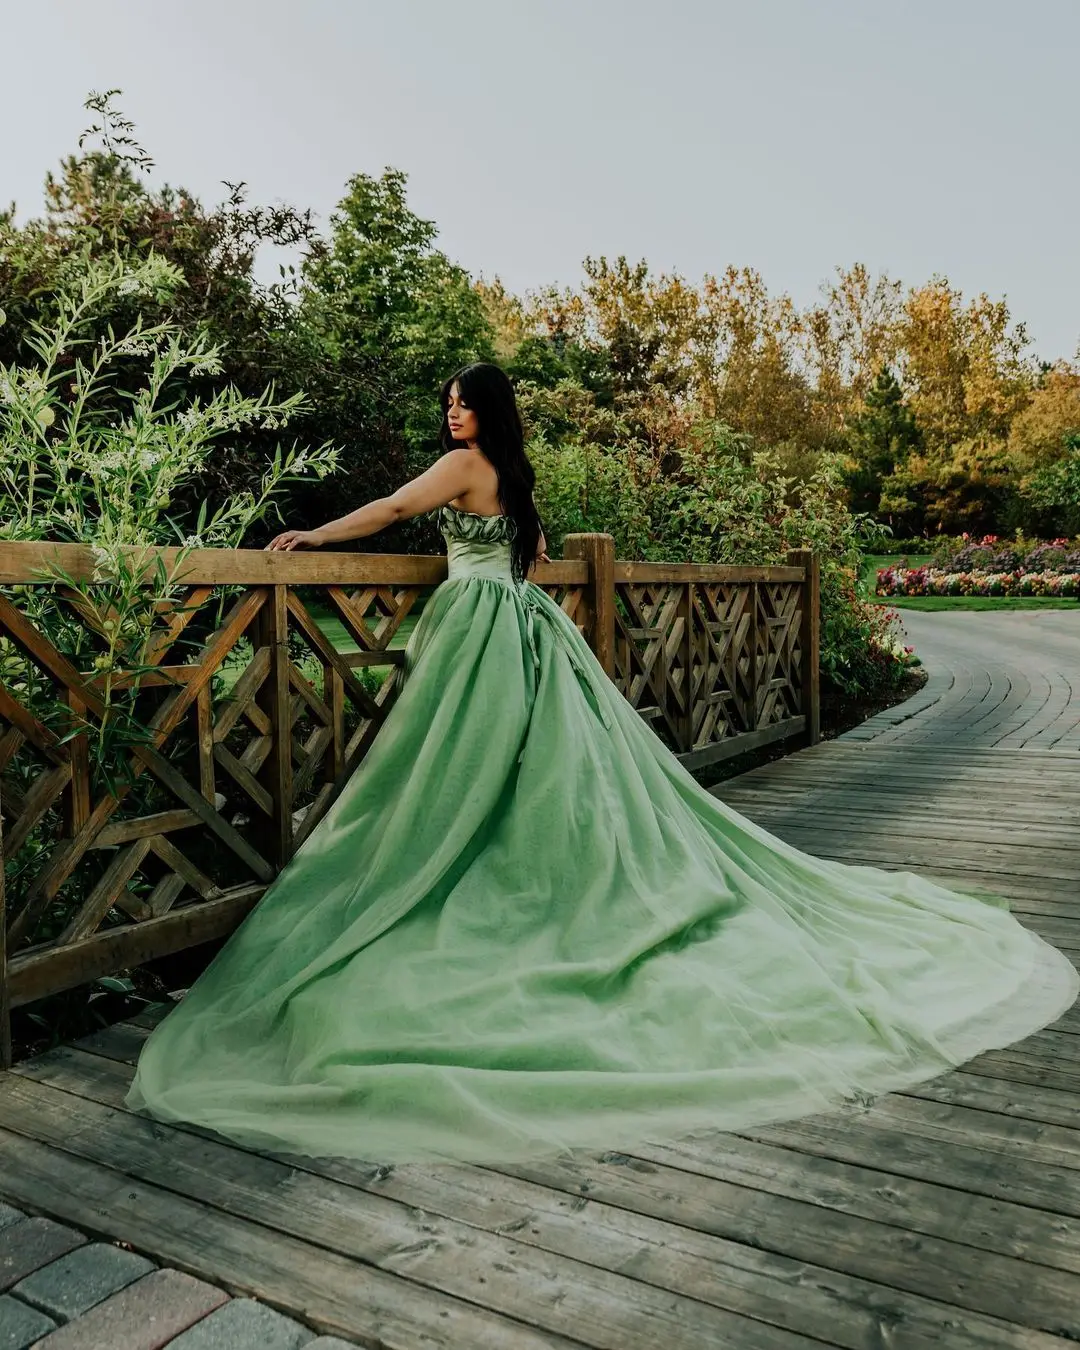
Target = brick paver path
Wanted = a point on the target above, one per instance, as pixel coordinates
(996, 681)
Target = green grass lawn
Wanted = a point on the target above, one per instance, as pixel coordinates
(333, 628)
(868, 575)
(339, 635)
(995, 602)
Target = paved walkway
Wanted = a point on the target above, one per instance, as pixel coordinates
(997, 681)
(60, 1290)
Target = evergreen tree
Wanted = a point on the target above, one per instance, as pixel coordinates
(880, 441)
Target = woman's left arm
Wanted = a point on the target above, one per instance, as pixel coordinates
(450, 476)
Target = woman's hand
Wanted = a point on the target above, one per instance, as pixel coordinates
(291, 539)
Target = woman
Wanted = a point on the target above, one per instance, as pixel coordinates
(524, 927)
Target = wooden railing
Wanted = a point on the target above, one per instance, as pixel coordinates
(254, 730)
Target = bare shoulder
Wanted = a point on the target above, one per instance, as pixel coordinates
(472, 462)
(482, 493)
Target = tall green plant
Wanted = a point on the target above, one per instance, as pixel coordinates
(97, 439)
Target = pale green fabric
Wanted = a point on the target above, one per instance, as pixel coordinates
(524, 928)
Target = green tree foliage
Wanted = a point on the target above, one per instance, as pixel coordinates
(710, 421)
(1053, 491)
(383, 317)
(882, 437)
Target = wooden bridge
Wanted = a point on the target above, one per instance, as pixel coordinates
(947, 1216)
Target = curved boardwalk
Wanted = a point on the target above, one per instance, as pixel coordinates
(944, 1217)
(997, 681)
(976, 779)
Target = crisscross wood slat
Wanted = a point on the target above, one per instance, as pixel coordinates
(231, 781)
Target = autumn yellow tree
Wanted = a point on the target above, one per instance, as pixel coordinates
(1037, 432)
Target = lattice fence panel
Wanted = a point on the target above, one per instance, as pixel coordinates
(651, 666)
(250, 704)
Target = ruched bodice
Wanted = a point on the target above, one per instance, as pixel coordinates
(476, 545)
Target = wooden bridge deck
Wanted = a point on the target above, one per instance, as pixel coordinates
(947, 1216)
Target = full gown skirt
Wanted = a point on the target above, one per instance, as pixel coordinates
(523, 928)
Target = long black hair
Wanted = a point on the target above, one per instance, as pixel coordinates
(486, 390)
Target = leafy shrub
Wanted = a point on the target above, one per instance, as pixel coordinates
(726, 502)
(888, 547)
(97, 439)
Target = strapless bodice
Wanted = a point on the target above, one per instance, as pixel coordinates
(476, 545)
(479, 546)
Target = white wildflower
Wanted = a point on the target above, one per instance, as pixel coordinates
(104, 563)
(207, 365)
(135, 346)
(32, 383)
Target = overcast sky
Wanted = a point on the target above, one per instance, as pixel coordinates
(919, 137)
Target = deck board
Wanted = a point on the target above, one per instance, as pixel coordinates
(946, 1216)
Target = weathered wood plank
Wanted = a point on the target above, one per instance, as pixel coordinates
(104, 895)
(977, 1166)
(34, 973)
(752, 1171)
(646, 573)
(840, 1310)
(160, 822)
(333, 1294)
(561, 1297)
(768, 1208)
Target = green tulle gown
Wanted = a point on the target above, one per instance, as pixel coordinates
(524, 928)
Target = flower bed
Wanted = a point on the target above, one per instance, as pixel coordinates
(937, 581)
(991, 553)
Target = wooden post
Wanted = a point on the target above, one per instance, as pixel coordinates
(686, 613)
(810, 639)
(754, 659)
(598, 550)
(76, 799)
(274, 698)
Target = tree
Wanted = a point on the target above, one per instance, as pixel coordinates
(846, 341)
(882, 437)
(383, 318)
(1037, 432)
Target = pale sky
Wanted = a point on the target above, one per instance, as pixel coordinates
(919, 137)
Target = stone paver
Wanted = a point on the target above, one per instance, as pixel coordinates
(146, 1315)
(995, 680)
(21, 1325)
(31, 1243)
(85, 1277)
(243, 1324)
(77, 1294)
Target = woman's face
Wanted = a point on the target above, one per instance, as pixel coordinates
(464, 424)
